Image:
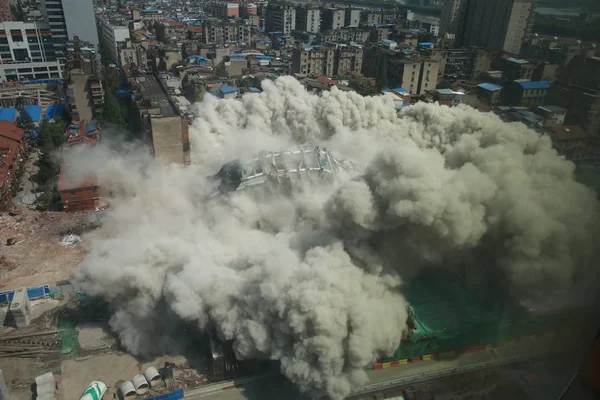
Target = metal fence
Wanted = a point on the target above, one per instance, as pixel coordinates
(33, 293)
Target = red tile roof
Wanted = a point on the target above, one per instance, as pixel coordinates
(8, 150)
(11, 131)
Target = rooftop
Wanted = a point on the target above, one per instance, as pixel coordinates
(489, 87)
(535, 85)
(8, 114)
(69, 180)
(553, 109)
(569, 132)
(517, 61)
(151, 91)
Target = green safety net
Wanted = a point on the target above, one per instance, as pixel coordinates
(67, 330)
(447, 317)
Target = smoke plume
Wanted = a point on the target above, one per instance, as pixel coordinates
(313, 279)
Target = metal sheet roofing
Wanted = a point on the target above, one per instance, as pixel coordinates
(489, 87)
(517, 61)
(228, 89)
(8, 114)
(535, 85)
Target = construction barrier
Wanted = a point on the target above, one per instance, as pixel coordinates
(33, 293)
(176, 395)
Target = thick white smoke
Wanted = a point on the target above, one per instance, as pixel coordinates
(313, 279)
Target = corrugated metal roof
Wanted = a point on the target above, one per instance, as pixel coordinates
(535, 85)
(8, 114)
(517, 61)
(228, 89)
(489, 87)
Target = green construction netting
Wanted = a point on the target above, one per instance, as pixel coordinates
(67, 330)
(447, 317)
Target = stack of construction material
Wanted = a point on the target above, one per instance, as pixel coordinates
(3, 388)
(45, 386)
(20, 308)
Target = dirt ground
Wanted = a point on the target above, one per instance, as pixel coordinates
(38, 257)
(109, 368)
(95, 337)
(20, 373)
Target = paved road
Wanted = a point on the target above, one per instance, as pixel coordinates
(278, 388)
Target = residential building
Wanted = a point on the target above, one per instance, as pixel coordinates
(448, 97)
(225, 9)
(26, 42)
(417, 76)
(553, 115)
(328, 61)
(496, 25)
(70, 18)
(162, 127)
(280, 17)
(359, 36)
(352, 17)
(545, 71)
(308, 19)
(96, 94)
(452, 17)
(489, 93)
(13, 152)
(221, 32)
(514, 69)
(570, 140)
(527, 93)
(332, 18)
(5, 14)
(151, 14)
(112, 33)
(464, 64)
(28, 71)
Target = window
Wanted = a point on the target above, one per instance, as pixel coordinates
(17, 35)
(73, 193)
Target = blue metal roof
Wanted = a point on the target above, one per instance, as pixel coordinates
(35, 112)
(265, 57)
(535, 85)
(489, 87)
(399, 90)
(8, 114)
(228, 89)
(255, 90)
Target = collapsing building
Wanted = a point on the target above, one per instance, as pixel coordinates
(281, 170)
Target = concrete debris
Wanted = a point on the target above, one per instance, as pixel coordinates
(20, 308)
(45, 386)
(12, 241)
(69, 240)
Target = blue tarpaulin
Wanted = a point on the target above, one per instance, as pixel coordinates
(35, 112)
(176, 395)
(8, 114)
(55, 111)
(92, 126)
(33, 293)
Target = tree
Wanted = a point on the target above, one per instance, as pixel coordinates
(362, 86)
(26, 122)
(51, 137)
(244, 82)
(17, 11)
(221, 70)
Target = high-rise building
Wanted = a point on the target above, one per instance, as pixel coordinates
(452, 17)
(5, 14)
(27, 52)
(496, 25)
(327, 61)
(113, 34)
(70, 18)
(332, 18)
(280, 17)
(352, 17)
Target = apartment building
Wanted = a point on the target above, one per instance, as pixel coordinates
(452, 17)
(352, 17)
(70, 18)
(308, 19)
(112, 33)
(327, 61)
(345, 35)
(280, 17)
(332, 18)
(221, 32)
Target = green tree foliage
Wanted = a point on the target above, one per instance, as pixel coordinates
(221, 70)
(362, 86)
(244, 82)
(51, 137)
(26, 122)
(112, 111)
(17, 11)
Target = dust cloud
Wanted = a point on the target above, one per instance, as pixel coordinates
(313, 277)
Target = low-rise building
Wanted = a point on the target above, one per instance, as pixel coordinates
(514, 69)
(569, 140)
(489, 93)
(527, 93)
(553, 115)
(448, 97)
(13, 152)
(328, 61)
